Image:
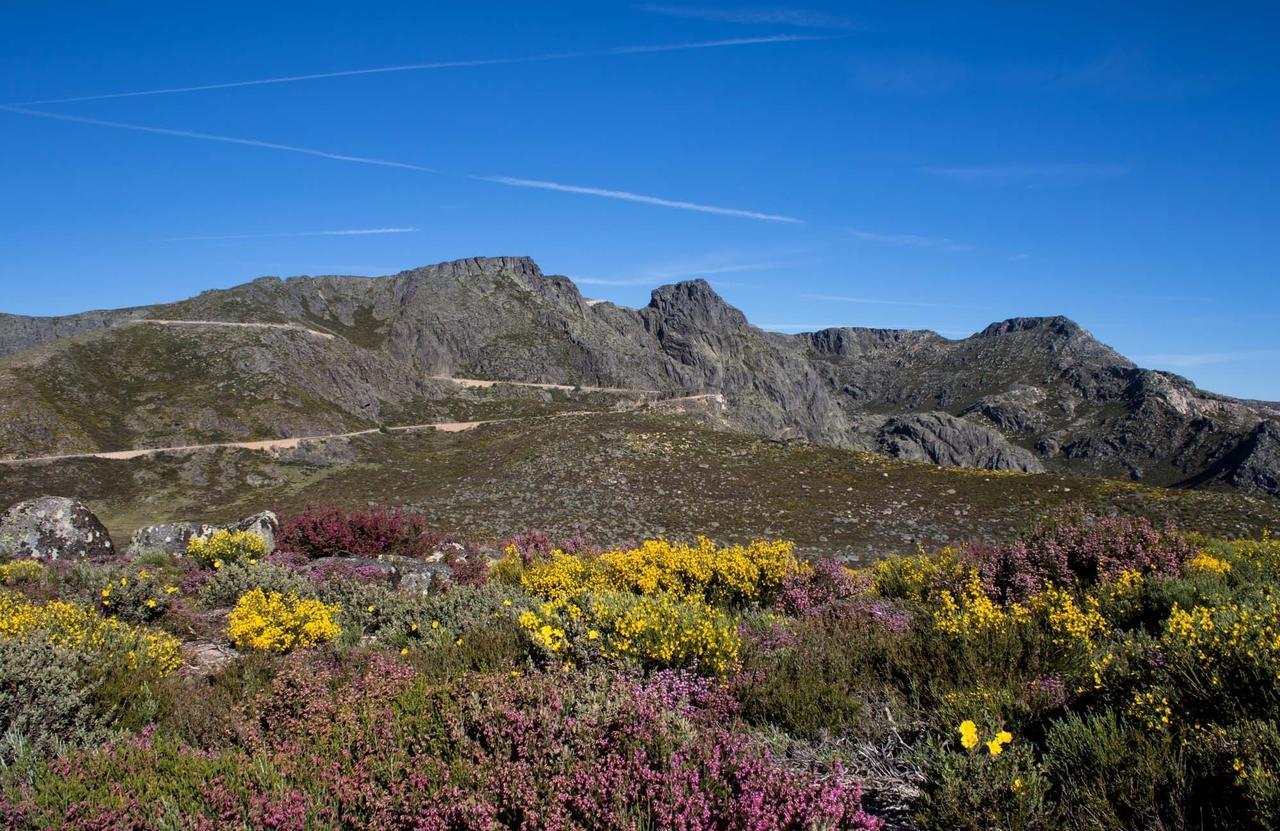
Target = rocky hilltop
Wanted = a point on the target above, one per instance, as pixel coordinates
(328, 354)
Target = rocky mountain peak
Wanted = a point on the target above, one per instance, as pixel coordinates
(696, 303)
(1056, 326)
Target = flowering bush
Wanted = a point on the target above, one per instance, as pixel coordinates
(80, 629)
(535, 752)
(136, 595)
(20, 571)
(1079, 550)
(279, 623)
(226, 585)
(329, 531)
(222, 547)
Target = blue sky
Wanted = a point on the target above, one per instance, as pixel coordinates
(899, 164)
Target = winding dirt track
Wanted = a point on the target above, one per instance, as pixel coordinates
(643, 396)
(290, 443)
(291, 327)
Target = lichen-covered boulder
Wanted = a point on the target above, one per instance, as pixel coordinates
(170, 537)
(53, 528)
(263, 524)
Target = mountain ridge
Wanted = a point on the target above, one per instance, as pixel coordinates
(1026, 394)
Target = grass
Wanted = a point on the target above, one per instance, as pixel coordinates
(627, 476)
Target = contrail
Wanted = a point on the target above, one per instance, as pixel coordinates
(510, 181)
(348, 232)
(414, 67)
(164, 131)
(636, 197)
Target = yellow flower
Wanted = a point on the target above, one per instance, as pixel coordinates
(404, 651)
(435, 624)
(372, 609)
(592, 635)
(217, 564)
(968, 734)
(996, 746)
(170, 589)
(151, 604)
(1016, 785)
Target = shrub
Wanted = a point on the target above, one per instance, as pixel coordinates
(45, 699)
(329, 531)
(137, 595)
(1077, 550)
(377, 748)
(226, 585)
(279, 623)
(223, 547)
(78, 628)
(20, 571)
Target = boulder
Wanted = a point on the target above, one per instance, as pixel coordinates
(53, 528)
(263, 524)
(172, 537)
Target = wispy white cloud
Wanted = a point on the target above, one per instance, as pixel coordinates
(911, 240)
(418, 67)
(1184, 360)
(778, 16)
(636, 197)
(267, 145)
(510, 181)
(840, 298)
(1046, 173)
(712, 264)
(346, 232)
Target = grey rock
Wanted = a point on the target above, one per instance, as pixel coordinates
(53, 528)
(944, 439)
(205, 657)
(169, 537)
(18, 333)
(172, 537)
(390, 573)
(1044, 382)
(264, 524)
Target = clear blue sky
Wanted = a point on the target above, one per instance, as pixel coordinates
(897, 164)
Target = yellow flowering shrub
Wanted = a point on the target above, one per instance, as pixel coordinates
(223, 546)
(278, 622)
(732, 576)
(1151, 708)
(665, 630)
(1071, 624)
(560, 577)
(973, 614)
(80, 629)
(1236, 640)
(20, 571)
(919, 578)
(1206, 563)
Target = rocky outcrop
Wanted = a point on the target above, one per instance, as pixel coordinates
(355, 349)
(1252, 465)
(53, 528)
(18, 333)
(172, 537)
(944, 439)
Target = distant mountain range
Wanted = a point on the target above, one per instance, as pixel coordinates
(328, 354)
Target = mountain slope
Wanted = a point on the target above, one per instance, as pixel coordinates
(1024, 394)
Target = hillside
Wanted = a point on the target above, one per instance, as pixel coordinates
(334, 354)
